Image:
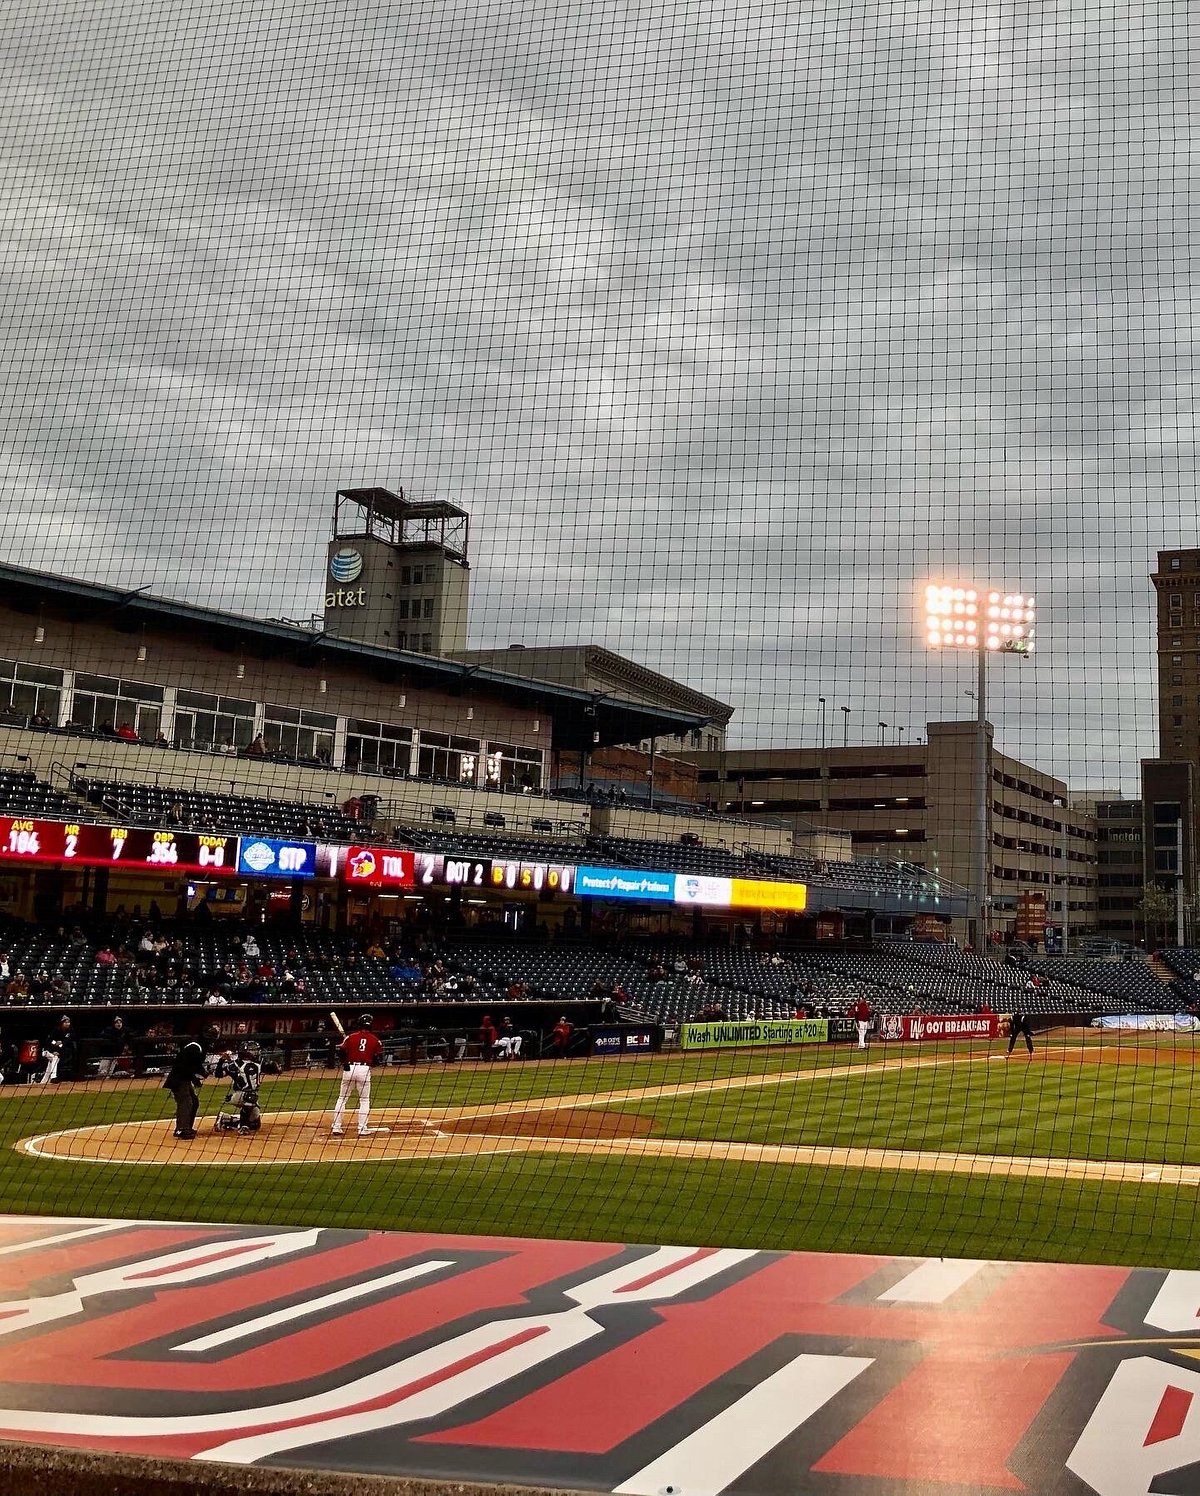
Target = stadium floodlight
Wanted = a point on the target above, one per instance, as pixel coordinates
(973, 618)
(984, 621)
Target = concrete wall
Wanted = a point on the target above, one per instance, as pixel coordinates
(191, 664)
(55, 756)
(33, 1471)
(650, 825)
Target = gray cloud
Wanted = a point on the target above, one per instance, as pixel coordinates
(730, 326)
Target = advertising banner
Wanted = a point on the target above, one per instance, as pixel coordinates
(756, 893)
(922, 1026)
(268, 857)
(712, 893)
(728, 1034)
(376, 867)
(624, 883)
(622, 1040)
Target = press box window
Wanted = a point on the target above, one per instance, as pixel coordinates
(30, 690)
(204, 721)
(440, 756)
(380, 747)
(508, 766)
(102, 703)
(299, 734)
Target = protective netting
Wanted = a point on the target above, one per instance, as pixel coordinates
(474, 479)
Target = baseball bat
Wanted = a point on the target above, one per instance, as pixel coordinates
(337, 1023)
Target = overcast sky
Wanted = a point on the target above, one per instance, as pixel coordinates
(730, 323)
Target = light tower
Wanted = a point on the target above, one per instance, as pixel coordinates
(984, 621)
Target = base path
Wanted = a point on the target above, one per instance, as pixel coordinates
(596, 1367)
(581, 1124)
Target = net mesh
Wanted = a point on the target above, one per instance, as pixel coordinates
(608, 761)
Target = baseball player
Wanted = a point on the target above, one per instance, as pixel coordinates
(359, 1051)
(245, 1075)
(1020, 1025)
(861, 1013)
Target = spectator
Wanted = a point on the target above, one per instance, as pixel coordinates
(16, 989)
(127, 733)
(105, 957)
(216, 999)
(257, 748)
(161, 741)
(4, 970)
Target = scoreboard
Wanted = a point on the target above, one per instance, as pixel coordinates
(436, 870)
(446, 870)
(533, 877)
(87, 845)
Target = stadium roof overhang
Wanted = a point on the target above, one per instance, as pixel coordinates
(582, 720)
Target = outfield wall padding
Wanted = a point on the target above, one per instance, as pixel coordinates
(38, 1470)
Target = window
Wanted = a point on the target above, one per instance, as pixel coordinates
(102, 703)
(427, 607)
(511, 767)
(1175, 562)
(30, 691)
(442, 757)
(402, 608)
(203, 721)
(427, 643)
(299, 734)
(379, 747)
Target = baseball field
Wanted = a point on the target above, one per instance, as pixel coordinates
(1087, 1152)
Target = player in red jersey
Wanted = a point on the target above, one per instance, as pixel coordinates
(861, 1013)
(359, 1051)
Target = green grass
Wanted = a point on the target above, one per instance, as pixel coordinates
(1049, 1107)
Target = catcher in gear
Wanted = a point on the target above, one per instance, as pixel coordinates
(245, 1074)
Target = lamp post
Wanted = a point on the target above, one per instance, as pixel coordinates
(883, 727)
(823, 765)
(845, 711)
(985, 622)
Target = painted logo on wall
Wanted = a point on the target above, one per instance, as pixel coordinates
(345, 565)
(711, 1370)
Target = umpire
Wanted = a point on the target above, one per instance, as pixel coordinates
(1020, 1024)
(188, 1069)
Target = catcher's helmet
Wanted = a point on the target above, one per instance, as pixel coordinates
(250, 1049)
(364, 1020)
